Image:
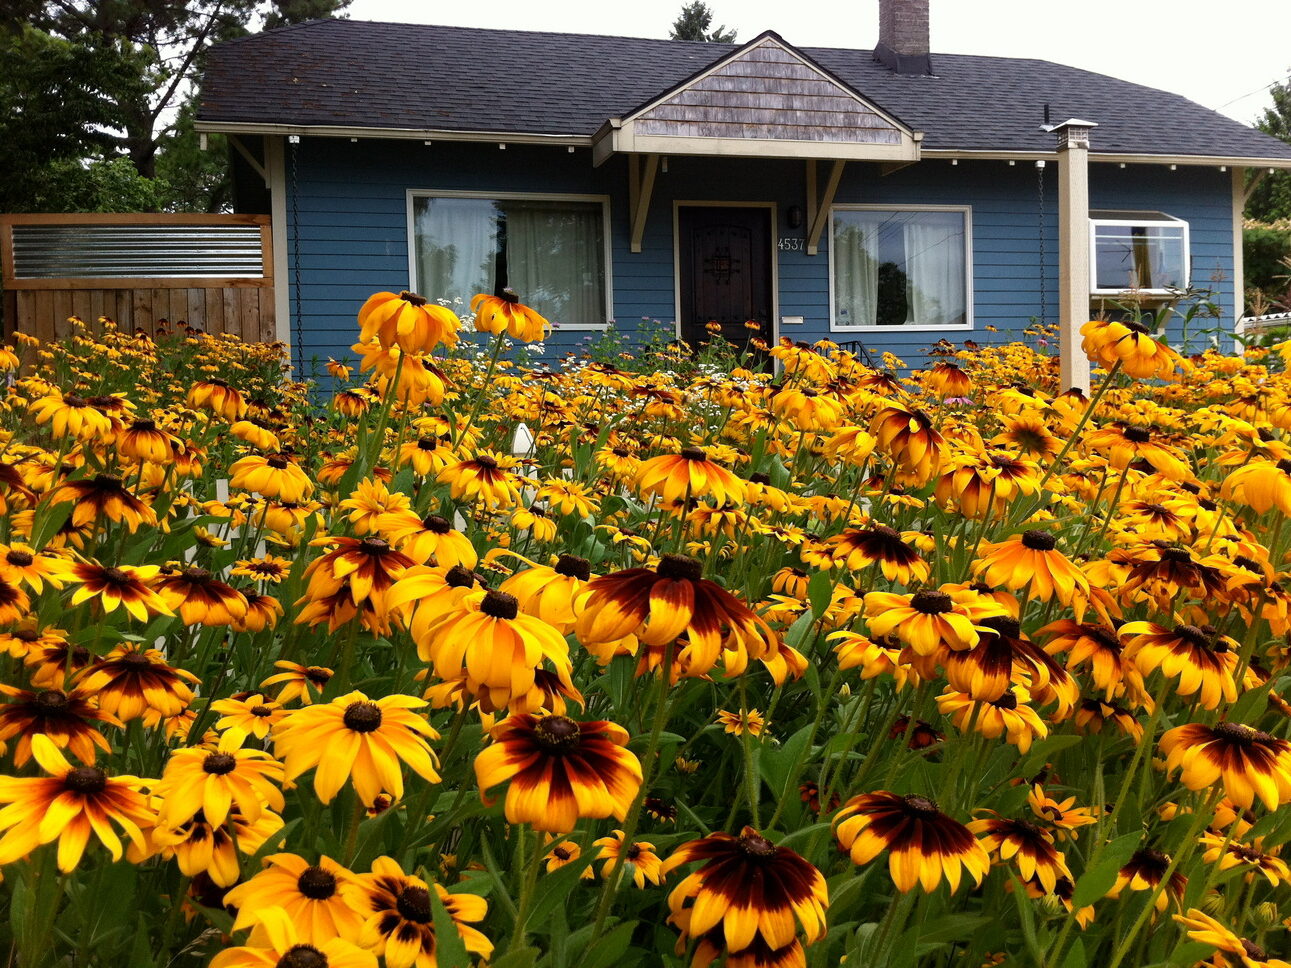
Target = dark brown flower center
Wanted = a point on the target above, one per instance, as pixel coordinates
(1253, 951)
(1137, 435)
(316, 883)
(374, 546)
(412, 298)
(86, 780)
(220, 763)
(500, 605)
(413, 904)
(302, 956)
(557, 734)
(134, 659)
(318, 675)
(1006, 625)
(197, 575)
(362, 717)
(621, 452)
(428, 443)
(931, 603)
(679, 568)
(1194, 636)
(264, 712)
(1235, 733)
(51, 700)
(277, 462)
(1181, 555)
(26, 635)
(571, 566)
(693, 453)
(436, 524)
(72, 400)
(921, 805)
(753, 843)
(486, 462)
(509, 295)
(1007, 701)
(459, 577)
(20, 559)
(1039, 540)
(1284, 466)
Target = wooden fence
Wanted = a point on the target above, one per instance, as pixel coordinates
(212, 272)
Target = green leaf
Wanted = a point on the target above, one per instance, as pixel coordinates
(610, 947)
(1250, 706)
(819, 591)
(798, 631)
(449, 947)
(1076, 956)
(523, 958)
(1100, 878)
(1044, 750)
(954, 927)
(777, 764)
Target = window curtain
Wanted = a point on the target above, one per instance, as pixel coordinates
(556, 259)
(856, 270)
(934, 250)
(456, 241)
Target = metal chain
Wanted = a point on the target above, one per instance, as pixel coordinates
(299, 321)
(1044, 268)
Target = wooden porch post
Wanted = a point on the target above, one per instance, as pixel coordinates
(1073, 248)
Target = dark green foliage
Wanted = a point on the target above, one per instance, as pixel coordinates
(693, 24)
(1272, 199)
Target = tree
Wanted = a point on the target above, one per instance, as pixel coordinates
(154, 52)
(693, 23)
(1271, 201)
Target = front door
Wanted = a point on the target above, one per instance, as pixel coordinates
(725, 260)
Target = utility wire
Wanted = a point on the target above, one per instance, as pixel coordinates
(1272, 83)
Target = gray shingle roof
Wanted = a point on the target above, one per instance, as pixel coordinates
(350, 73)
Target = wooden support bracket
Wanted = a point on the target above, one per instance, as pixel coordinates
(1252, 183)
(251, 159)
(640, 188)
(818, 209)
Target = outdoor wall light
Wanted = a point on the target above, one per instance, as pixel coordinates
(794, 216)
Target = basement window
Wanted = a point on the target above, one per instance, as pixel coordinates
(1141, 251)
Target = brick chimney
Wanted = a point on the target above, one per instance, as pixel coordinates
(903, 36)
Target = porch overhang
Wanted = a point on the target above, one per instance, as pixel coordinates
(766, 99)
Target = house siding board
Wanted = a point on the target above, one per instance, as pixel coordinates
(353, 229)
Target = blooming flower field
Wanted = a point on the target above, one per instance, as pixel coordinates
(704, 667)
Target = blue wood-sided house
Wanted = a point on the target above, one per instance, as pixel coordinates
(892, 197)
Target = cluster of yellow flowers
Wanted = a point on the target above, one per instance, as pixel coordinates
(382, 675)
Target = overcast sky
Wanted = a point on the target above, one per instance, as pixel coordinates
(1221, 53)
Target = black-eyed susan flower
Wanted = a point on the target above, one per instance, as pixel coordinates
(70, 415)
(1261, 485)
(506, 314)
(565, 852)
(219, 398)
(14, 603)
(555, 594)
(200, 597)
(1028, 846)
(352, 579)
(659, 605)
(299, 682)
(118, 586)
(21, 564)
(486, 638)
(399, 921)
(67, 806)
(1063, 815)
(689, 474)
(908, 436)
(558, 771)
(203, 849)
(1131, 345)
(1144, 871)
(408, 321)
(309, 893)
(747, 895)
(364, 740)
(1247, 762)
(486, 477)
(131, 681)
(102, 498)
(855, 549)
(215, 780)
(1203, 661)
(250, 716)
(639, 860)
(1207, 930)
(275, 476)
(68, 718)
(924, 845)
(927, 620)
(1008, 715)
(286, 944)
(271, 569)
(1032, 561)
(430, 539)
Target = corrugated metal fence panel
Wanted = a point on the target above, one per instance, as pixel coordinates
(137, 251)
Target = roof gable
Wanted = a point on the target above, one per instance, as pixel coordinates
(765, 98)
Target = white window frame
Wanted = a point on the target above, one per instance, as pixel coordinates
(415, 193)
(1165, 219)
(967, 211)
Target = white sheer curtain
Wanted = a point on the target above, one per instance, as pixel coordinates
(456, 240)
(555, 258)
(856, 269)
(935, 268)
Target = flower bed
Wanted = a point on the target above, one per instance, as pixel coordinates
(947, 669)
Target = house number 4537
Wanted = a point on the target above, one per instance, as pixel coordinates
(792, 245)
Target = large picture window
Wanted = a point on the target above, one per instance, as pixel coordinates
(1147, 251)
(550, 250)
(900, 267)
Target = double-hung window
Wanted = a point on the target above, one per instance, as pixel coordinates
(1145, 251)
(900, 267)
(550, 249)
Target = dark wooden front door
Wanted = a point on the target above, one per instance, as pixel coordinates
(725, 257)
